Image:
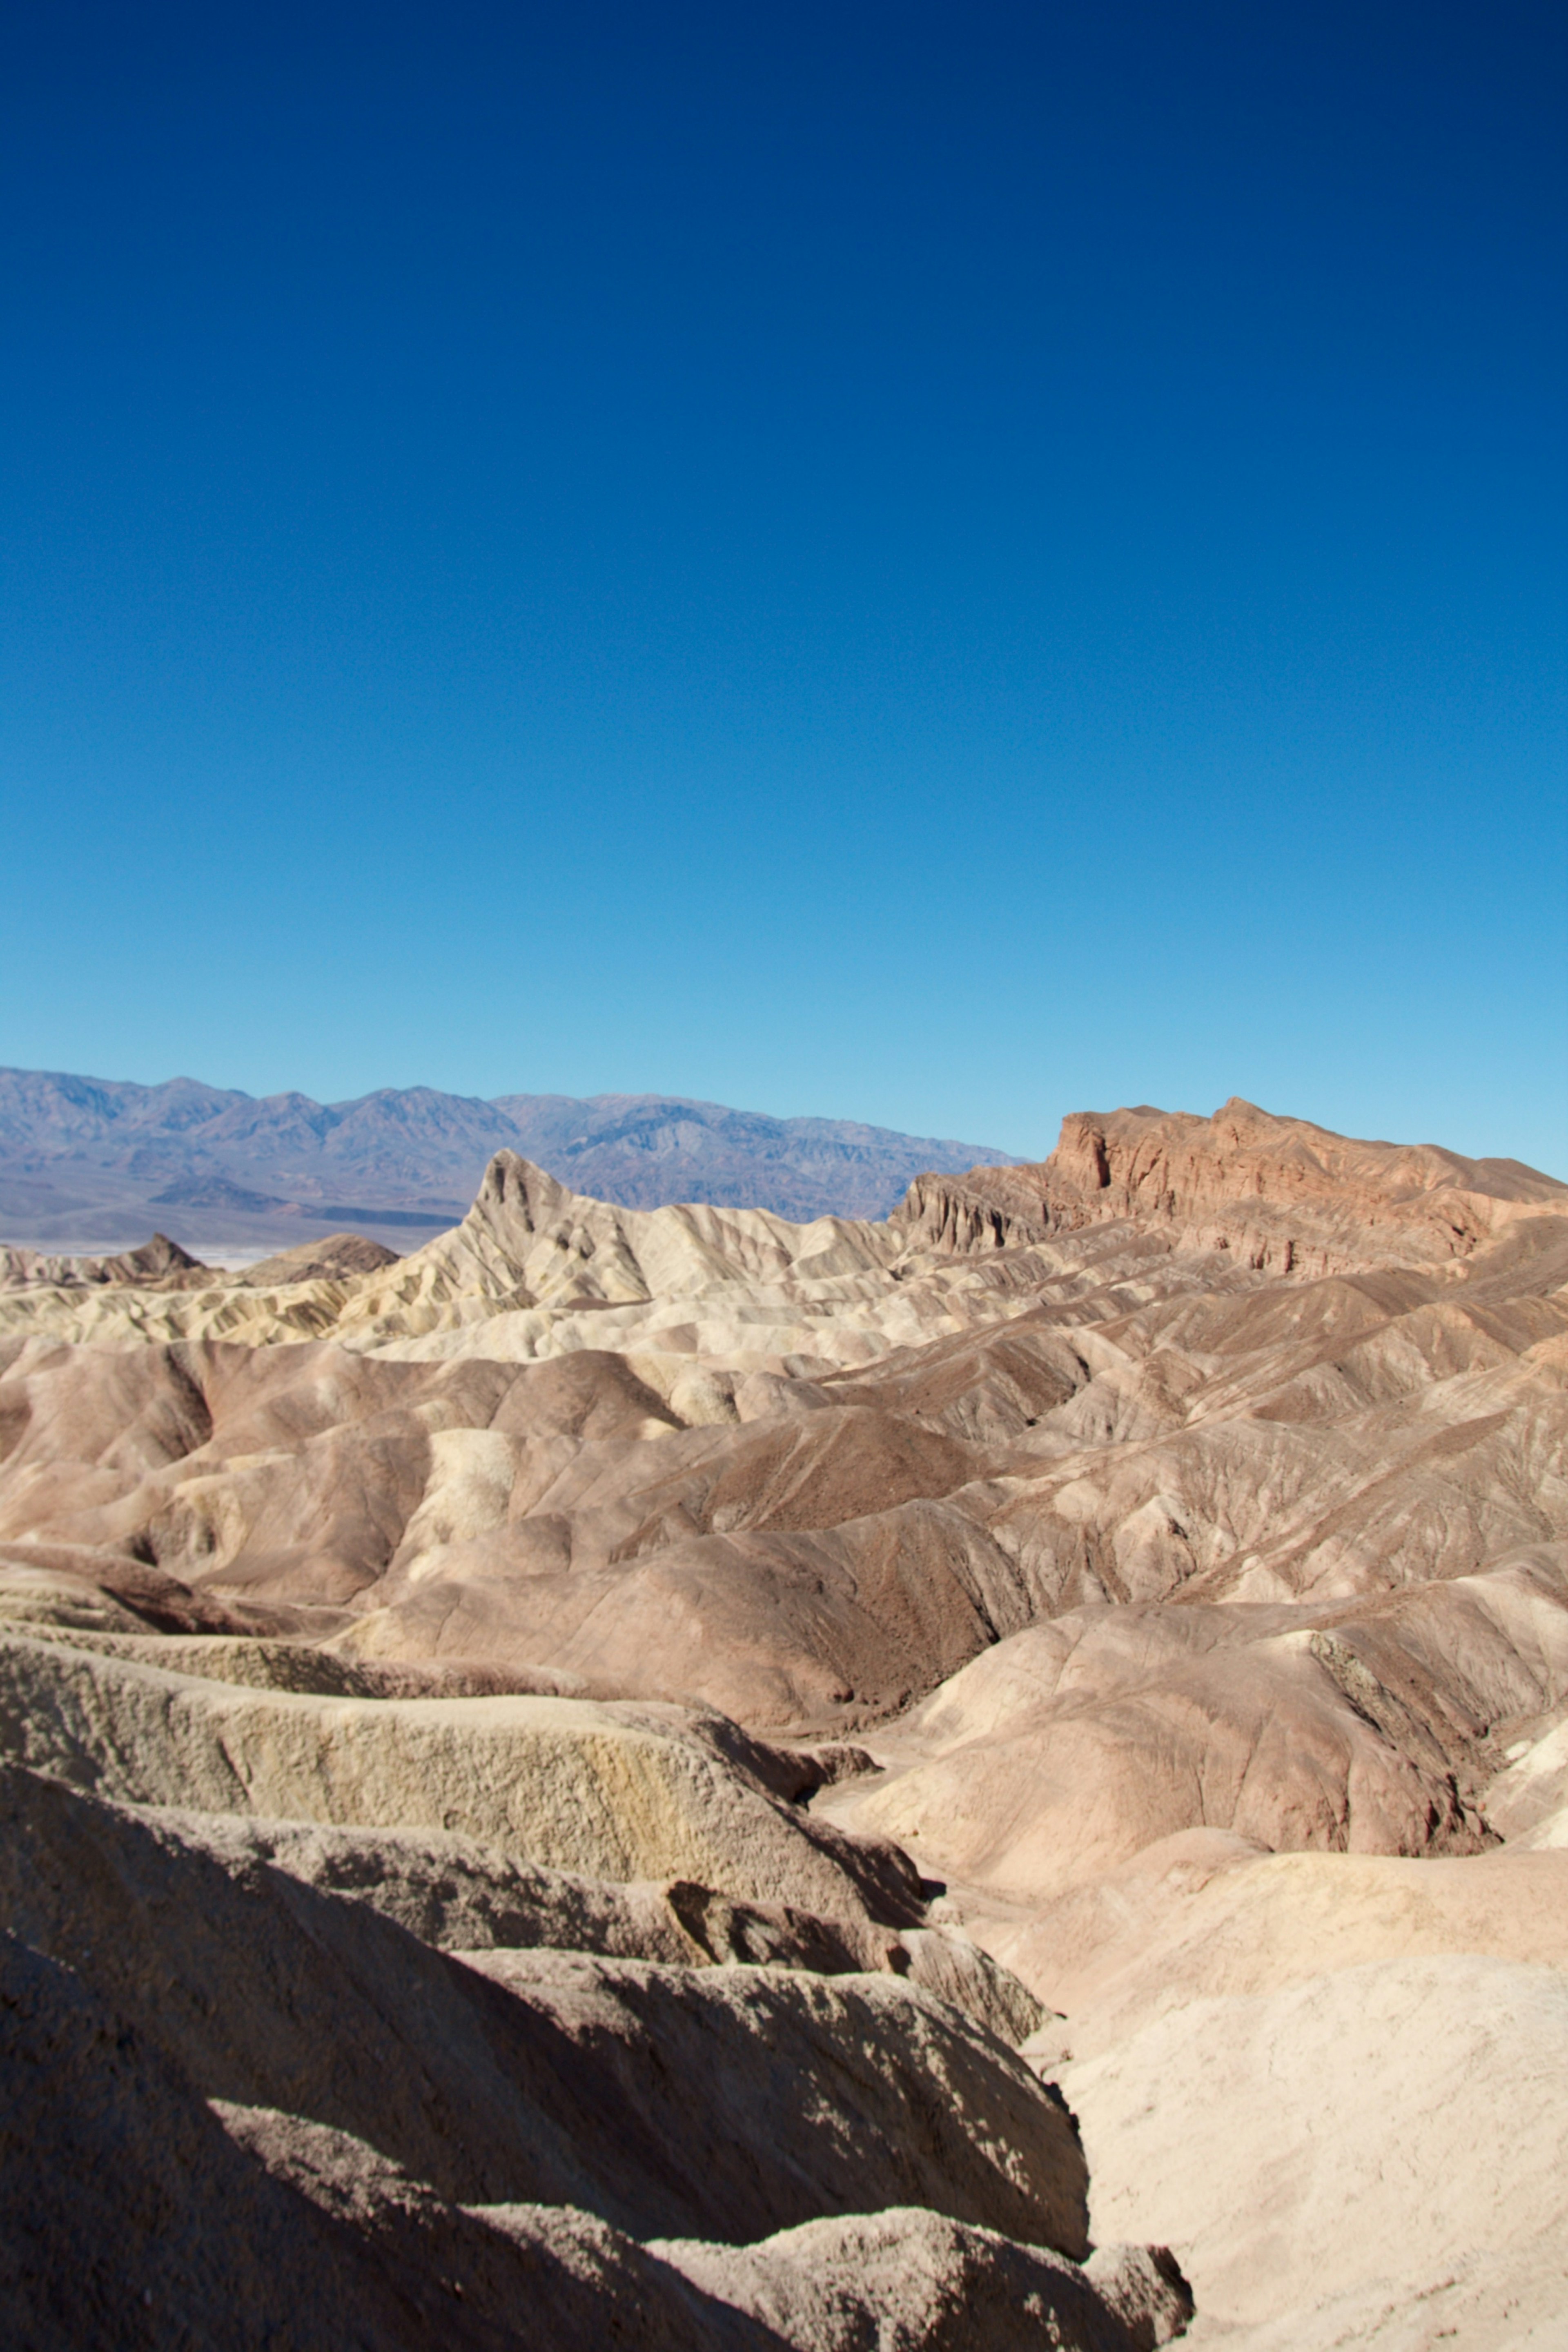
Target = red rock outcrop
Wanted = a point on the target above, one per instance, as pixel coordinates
(1281, 1195)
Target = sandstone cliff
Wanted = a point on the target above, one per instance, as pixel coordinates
(1281, 1195)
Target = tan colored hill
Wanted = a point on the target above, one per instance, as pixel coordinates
(1125, 1600)
(802, 1472)
(158, 1264)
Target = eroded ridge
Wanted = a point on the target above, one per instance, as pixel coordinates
(789, 1779)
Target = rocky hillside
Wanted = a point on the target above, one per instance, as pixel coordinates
(1280, 1195)
(96, 1161)
(1080, 1669)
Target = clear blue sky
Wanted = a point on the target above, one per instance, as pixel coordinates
(939, 564)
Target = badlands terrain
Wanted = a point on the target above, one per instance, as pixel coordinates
(668, 1777)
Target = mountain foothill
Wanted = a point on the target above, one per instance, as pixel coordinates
(978, 1758)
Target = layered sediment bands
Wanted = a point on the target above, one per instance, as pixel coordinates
(617, 1792)
(259, 2067)
(1280, 1194)
(568, 1441)
(527, 2075)
(721, 1733)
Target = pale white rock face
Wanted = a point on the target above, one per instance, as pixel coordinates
(1205, 1913)
(468, 1490)
(1529, 1801)
(1380, 2153)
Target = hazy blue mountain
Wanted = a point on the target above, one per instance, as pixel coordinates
(101, 1159)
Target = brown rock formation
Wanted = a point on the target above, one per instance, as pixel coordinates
(158, 1264)
(1180, 1528)
(1284, 1196)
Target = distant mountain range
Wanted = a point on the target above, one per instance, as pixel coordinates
(102, 1161)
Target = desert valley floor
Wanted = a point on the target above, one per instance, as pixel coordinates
(667, 1777)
